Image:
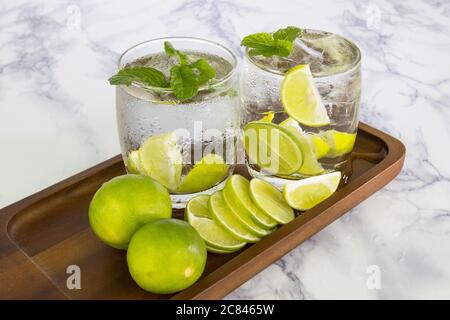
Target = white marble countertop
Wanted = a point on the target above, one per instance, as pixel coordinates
(57, 117)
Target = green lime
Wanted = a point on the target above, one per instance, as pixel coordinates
(215, 236)
(220, 251)
(321, 147)
(161, 159)
(124, 204)
(340, 143)
(227, 219)
(237, 195)
(205, 174)
(310, 164)
(272, 148)
(133, 162)
(301, 99)
(166, 256)
(270, 200)
(307, 193)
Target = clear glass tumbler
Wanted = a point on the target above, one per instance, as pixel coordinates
(335, 66)
(189, 146)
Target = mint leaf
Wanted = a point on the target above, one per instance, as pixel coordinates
(171, 51)
(183, 82)
(266, 44)
(288, 33)
(205, 71)
(144, 75)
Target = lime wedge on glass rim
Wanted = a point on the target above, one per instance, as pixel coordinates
(307, 193)
(161, 159)
(206, 173)
(237, 195)
(226, 218)
(301, 99)
(270, 200)
(272, 148)
(215, 236)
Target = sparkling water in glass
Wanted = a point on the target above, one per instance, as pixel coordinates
(205, 124)
(335, 66)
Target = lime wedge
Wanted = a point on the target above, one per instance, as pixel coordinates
(161, 159)
(226, 218)
(339, 142)
(133, 162)
(272, 148)
(269, 115)
(310, 165)
(206, 173)
(322, 148)
(307, 193)
(214, 235)
(301, 99)
(270, 200)
(219, 251)
(237, 195)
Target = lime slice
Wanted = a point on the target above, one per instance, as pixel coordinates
(226, 218)
(133, 162)
(161, 159)
(310, 165)
(206, 173)
(270, 200)
(307, 193)
(269, 115)
(322, 148)
(272, 148)
(237, 195)
(339, 142)
(219, 251)
(301, 99)
(198, 216)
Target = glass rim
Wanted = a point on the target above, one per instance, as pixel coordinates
(354, 65)
(220, 81)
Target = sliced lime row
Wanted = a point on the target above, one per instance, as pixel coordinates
(307, 193)
(198, 215)
(134, 163)
(270, 200)
(205, 174)
(161, 159)
(310, 164)
(301, 99)
(272, 148)
(237, 195)
(340, 143)
(321, 147)
(220, 251)
(226, 218)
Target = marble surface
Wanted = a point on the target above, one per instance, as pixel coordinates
(57, 117)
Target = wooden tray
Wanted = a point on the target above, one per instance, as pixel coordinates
(40, 236)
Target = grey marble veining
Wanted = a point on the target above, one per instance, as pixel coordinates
(57, 118)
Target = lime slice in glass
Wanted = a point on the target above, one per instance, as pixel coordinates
(206, 173)
(161, 159)
(272, 148)
(237, 195)
(226, 218)
(269, 115)
(215, 236)
(307, 193)
(301, 99)
(270, 200)
(339, 142)
(134, 163)
(310, 164)
(321, 147)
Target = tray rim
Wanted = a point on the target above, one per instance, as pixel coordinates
(234, 272)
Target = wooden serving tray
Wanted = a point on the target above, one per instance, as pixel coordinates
(40, 236)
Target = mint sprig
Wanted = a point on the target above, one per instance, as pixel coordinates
(279, 43)
(185, 79)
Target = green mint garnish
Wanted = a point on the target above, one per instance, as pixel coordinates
(144, 75)
(185, 79)
(279, 43)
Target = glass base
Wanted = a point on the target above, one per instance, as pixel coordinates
(179, 201)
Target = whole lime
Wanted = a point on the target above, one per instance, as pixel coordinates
(166, 256)
(124, 204)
